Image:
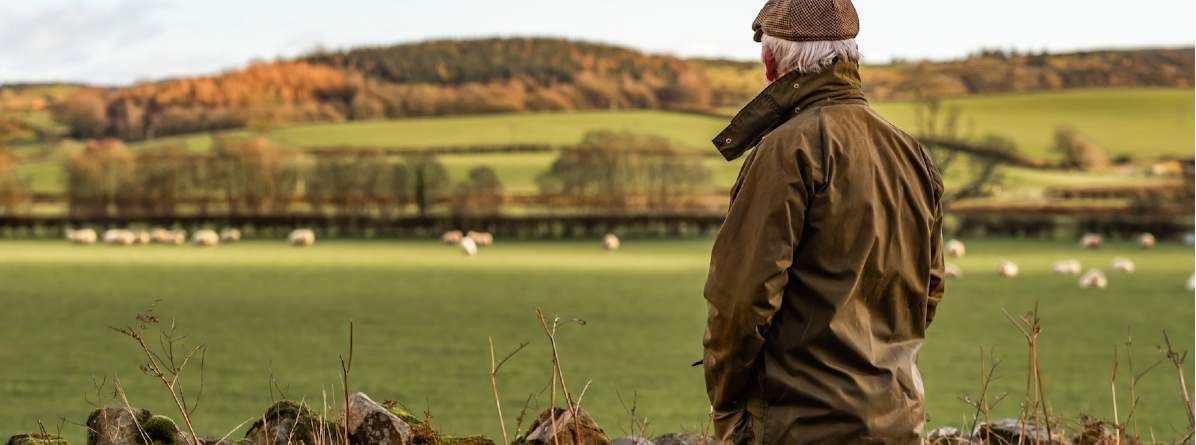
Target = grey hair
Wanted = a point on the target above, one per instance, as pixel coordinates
(810, 56)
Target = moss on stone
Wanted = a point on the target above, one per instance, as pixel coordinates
(37, 439)
(405, 416)
(161, 430)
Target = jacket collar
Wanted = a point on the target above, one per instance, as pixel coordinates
(785, 97)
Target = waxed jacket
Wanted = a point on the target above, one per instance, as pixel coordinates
(827, 270)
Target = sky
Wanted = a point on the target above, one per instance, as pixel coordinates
(123, 41)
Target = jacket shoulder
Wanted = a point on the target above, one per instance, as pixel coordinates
(796, 146)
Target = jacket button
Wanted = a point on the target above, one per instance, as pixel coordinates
(728, 140)
(796, 85)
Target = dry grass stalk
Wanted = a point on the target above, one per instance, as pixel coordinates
(165, 366)
(1030, 326)
(558, 376)
(636, 426)
(1177, 361)
(494, 367)
(1113, 390)
(120, 390)
(982, 405)
(345, 368)
(1135, 377)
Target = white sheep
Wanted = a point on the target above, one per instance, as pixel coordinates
(481, 238)
(1007, 269)
(141, 237)
(1191, 283)
(1066, 267)
(1091, 241)
(81, 236)
(469, 247)
(1124, 265)
(205, 238)
(119, 237)
(955, 248)
(452, 237)
(175, 237)
(610, 242)
(302, 237)
(1146, 241)
(160, 235)
(1094, 279)
(230, 235)
(952, 271)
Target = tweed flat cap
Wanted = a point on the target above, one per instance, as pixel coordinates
(804, 20)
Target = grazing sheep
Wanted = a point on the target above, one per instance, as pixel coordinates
(1094, 279)
(230, 235)
(302, 237)
(610, 242)
(1190, 238)
(141, 237)
(160, 235)
(81, 236)
(1091, 241)
(469, 247)
(481, 238)
(1007, 269)
(452, 237)
(1191, 283)
(1124, 265)
(1066, 267)
(119, 237)
(952, 271)
(1146, 241)
(205, 238)
(175, 237)
(955, 248)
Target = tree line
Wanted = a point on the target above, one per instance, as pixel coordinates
(606, 172)
(425, 79)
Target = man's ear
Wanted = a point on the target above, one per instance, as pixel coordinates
(770, 64)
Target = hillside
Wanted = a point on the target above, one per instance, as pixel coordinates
(409, 80)
(487, 76)
(987, 72)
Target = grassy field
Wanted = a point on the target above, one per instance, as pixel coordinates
(422, 314)
(1144, 123)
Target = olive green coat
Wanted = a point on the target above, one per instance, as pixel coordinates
(826, 272)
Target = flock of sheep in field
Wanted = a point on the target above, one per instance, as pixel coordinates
(203, 237)
(469, 242)
(1092, 279)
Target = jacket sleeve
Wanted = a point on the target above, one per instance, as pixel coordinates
(749, 269)
(937, 267)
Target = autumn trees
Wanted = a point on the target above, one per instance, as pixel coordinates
(422, 79)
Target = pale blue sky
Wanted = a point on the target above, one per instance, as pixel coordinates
(121, 41)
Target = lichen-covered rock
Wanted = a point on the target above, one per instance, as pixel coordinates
(947, 436)
(36, 439)
(1013, 431)
(682, 439)
(632, 440)
(564, 431)
(116, 426)
(290, 423)
(372, 424)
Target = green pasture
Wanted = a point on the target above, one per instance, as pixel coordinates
(422, 313)
(1144, 123)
